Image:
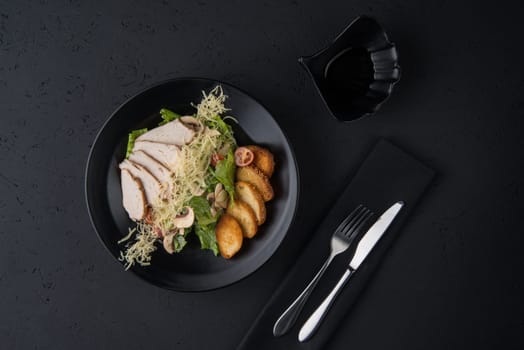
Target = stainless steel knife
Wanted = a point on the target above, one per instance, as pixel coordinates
(365, 245)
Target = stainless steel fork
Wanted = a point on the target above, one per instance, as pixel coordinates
(340, 241)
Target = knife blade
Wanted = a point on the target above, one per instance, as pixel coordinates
(364, 247)
(372, 236)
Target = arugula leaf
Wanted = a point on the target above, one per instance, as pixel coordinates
(167, 116)
(202, 211)
(179, 242)
(131, 139)
(207, 237)
(225, 173)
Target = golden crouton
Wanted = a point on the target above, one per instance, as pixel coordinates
(256, 177)
(229, 236)
(263, 159)
(245, 216)
(248, 193)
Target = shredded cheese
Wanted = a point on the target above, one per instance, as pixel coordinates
(139, 251)
(189, 179)
(212, 104)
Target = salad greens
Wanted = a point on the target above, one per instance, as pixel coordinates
(225, 173)
(202, 211)
(131, 139)
(224, 128)
(205, 223)
(167, 116)
(207, 237)
(179, 242)
(214, 140)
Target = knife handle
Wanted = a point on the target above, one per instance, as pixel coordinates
(289, 317)
(313, 322)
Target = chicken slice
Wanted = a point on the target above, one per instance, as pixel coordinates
(165, 153)
(151, 185)
(156, 168)
(172, 133)
(133, 197)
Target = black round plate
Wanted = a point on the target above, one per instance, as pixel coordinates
(193, 269)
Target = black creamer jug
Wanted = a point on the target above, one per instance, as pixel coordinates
(356, 73)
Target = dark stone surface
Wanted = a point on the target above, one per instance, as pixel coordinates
(453, 279)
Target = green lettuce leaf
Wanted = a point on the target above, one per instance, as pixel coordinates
(131, 139)
(207, 237)
(202, 211)
(224, 128)
(167, 116)
(204, 223)
(225, 173)
(211, 180)
(179, 242)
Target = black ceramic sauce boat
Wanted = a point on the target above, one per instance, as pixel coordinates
(356, 73)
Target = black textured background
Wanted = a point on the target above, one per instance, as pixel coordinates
(452, 280)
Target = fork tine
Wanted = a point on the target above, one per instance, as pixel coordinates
(359, 225)
(355, 220)
(349, 217)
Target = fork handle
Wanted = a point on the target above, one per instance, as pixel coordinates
(289, 317)
(316, 317)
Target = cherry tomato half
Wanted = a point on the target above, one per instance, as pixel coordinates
(215, 158)
(243, 156)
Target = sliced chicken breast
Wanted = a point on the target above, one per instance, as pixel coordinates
(151, 185)
(133, 197)
(156, 168)
(173, 133)
(166, 154)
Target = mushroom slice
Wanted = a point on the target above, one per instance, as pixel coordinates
(197, 189)
(221, 196)
(167, 242)
(185, 220)
(192, 123)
